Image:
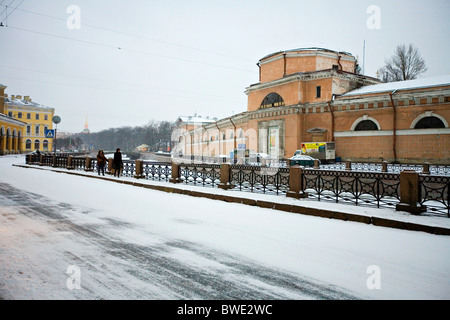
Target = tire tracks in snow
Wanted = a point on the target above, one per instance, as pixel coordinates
(112, 268)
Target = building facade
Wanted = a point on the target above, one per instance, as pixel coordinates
(11, 129)
(318, 95)
(37, 118)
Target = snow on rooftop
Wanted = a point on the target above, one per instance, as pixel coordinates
(24, 102)
(402, 85)
(197, 119)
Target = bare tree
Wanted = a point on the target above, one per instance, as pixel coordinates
(405, 64)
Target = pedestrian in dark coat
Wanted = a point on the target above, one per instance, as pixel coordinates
(101, 162)
(117, 162)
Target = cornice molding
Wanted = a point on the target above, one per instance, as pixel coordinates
(300, 54)
(308, 76)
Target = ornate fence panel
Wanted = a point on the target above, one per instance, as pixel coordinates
(391, 168)
(440, 170)
(160, 171)
(79, 163)
(260, 179)
(200, 174)
(359, 188)
(129, 168)
(94, 165)
(435, 194)
(46, 160)
(61, 162)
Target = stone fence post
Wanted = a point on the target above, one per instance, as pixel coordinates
(316, 164)
(426, 168)
(175, 173)
(225, 169)
(384, 166)
(409, 193)
(69, 162)
(88, 164)
(139, 169)
(348, 165)
(110, 166)
(296, 183)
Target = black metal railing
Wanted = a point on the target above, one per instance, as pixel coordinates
(128, 169)
(46, 160)
(160, 171)
(79, 163)
(435, 194)
(260, 179)
(358, 188)
(200, 174)
(390, 168)
(366, 188)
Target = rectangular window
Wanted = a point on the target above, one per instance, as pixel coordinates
(19, 115)
(28, 115)
(37, 116)
(28, 129)
(273, 143)
(318, 91)
(37, 130)
(46, 117)
(10, 114)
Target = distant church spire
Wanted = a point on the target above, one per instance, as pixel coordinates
(86, 126)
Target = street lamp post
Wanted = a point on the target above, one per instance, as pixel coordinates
(56, 120)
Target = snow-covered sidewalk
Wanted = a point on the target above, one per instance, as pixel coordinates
(378, 216)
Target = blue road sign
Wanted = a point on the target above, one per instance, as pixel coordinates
(49, 133)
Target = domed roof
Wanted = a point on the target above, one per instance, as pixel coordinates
(317, 49)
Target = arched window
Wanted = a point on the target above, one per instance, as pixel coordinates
(272, 100)
(366, 125)
(37, 145)
(429, 123)
(8, 140)
(45, 145)
(429, 120)
(28, 144)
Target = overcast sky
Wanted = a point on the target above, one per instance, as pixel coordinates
(136, 61)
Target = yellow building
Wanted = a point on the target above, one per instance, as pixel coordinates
(11, 130)
(37, 118)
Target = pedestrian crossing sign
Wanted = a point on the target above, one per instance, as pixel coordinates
(49, 133)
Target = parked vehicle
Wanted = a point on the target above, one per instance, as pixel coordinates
(302, 160)
(324, 151)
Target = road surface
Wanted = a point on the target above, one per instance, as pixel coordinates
(69, 237)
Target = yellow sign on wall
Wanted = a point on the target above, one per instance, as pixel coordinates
(313, 147)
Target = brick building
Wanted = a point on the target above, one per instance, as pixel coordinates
(318, 95)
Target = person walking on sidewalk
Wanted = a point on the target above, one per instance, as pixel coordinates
(117, 162)
(101, 162)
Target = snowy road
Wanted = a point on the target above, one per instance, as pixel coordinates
(135, 243)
